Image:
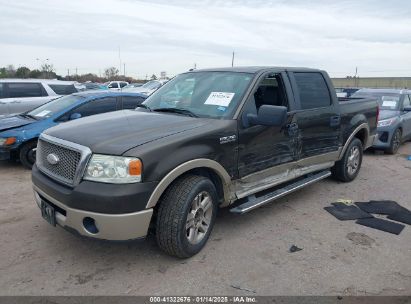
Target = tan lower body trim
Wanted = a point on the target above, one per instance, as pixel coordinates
(116, 227)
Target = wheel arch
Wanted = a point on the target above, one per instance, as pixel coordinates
(26, 141)
(362, 132)
(202, 166)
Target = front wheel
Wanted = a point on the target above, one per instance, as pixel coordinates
(186, 216)
(395, 142)
(349, 166)
(28, 154)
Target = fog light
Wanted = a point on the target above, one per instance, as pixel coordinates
(90, 225)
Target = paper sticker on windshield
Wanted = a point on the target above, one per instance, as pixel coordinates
(389, 103)
(221, 99)
(43, 113)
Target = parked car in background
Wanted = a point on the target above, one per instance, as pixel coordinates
(394, 124)
(345, 92)
(19, 133)
(245, 135)
(149, 87)
(87, 86)
(133, 85)
(21, 95)
(116, 85)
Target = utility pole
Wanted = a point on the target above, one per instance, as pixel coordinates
(76, 71)
(119, 58)
(124, 70)
(68, 73)
(232, 60)
(355, 77)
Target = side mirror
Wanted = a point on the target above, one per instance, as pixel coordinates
(407, 109)
(268, 116)
(75, 116)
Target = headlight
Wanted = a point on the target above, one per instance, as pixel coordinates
(113, 169)
(386, 122)
(7, 141)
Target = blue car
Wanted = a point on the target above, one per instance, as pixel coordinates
(19, 133)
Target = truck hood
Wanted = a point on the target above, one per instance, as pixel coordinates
(15, 121)
(385, 114)
(116, 132)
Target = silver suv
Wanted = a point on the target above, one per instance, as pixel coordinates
(21, 95)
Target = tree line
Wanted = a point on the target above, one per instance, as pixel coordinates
(47, 71)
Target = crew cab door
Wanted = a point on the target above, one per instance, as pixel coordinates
(317, 117)
(265, 147)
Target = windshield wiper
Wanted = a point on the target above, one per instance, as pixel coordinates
(29, 116)
(144, 107)
(176, 110)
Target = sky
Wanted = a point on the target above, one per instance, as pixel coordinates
(175, 35)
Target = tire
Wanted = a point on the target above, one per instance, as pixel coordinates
(349, 166)
(395, 142)
(179, 200)
(27, 154)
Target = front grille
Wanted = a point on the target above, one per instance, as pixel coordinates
(65, 169)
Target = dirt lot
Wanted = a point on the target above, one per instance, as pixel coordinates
(246, 254)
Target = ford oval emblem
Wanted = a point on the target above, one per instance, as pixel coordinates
(53, 159)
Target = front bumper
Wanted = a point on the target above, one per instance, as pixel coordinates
(5, 154)
(115, 227)
(383, 138)
(118, 211)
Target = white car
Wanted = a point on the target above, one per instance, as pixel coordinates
(148, 88)
(116, 85)
(21, 95)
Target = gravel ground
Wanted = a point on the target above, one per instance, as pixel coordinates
(246, 255)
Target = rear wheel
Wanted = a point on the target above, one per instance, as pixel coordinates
(28, 154)
(395, 142)
(186, 216)
(349, 166)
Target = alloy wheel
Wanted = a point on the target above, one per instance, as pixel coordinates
(199, 217)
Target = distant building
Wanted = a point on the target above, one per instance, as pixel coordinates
(373, 82)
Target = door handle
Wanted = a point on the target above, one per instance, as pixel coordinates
(335, 121)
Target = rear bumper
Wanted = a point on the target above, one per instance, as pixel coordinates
(115, 227)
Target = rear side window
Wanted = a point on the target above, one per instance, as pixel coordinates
(25, 90)
(113, 85)
(97, 106)
(63, 89)
(123, 84)
(313, 90)
(1, 90)
(131, 102)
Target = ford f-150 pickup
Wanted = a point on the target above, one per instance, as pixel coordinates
(233, 137)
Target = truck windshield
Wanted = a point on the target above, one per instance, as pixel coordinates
(56, 105)
(386, 101)
(205, 94)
